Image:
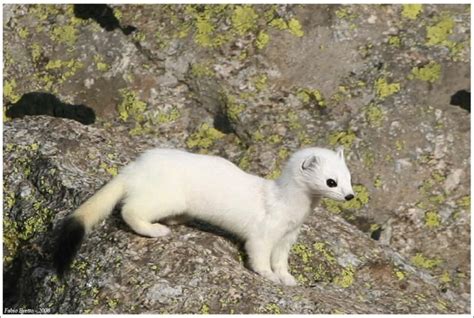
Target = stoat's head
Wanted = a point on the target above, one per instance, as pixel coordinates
(323, 173)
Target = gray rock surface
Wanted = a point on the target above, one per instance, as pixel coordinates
(252, 84)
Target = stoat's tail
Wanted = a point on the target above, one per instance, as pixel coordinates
(75, 227)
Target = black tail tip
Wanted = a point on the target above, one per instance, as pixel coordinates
(68, 242)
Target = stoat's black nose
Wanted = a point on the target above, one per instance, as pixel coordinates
(349, 197)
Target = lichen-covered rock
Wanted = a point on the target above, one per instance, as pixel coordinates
(251, 83)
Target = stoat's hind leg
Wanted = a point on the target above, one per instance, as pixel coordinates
(136, 218)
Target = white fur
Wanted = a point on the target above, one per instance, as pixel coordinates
(266, 214)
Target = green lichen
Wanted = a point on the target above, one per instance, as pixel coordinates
(343, 138)
(64, 34)
(131, 106)
(204, 309)
(139, 36)
(345, 13)
(9, 90)
(432, 219)
(374, 115)
(201, 70)
(99, 63)
(164, 117)
(257, 136)
(260, 82)
(400, 275)
(378, 182)
(385, 89)
(112, 170)
(262, 40)
(293, 120)
(62, 69)
(244, 19)
(279, 24)
(321, 248)
(411, 11)
(23, 33)
(303, 252)
(346, 278)
(112, 303)
(428, 73)
(426, 263)
(399, 145)
(274, 174)
(274, 139)
(307, 95)
(394, 40)
(445, 278)
(438, 33)
(36, 51)
(360, 200)
(204, 137)
(272, 308)
(464, 202)
(294, 27)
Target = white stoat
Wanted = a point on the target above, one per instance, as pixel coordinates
(266, 214)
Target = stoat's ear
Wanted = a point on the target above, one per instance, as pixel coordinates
(310, 162)
(340, 153)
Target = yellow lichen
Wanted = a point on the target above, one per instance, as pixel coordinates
(64, 34)
(303, 252)
(262, 40)
(204, 137)
(423, 262)
(295, 27)
(346, 278)
(201, 70)
(411, 11)
(432, 219)
(438, 34)
(321, 247)
(244, 19)
(361, 199)
(385, 89)
(343, 138)
(374, 115)
(130, 106)
(9, 91)
(428, 73)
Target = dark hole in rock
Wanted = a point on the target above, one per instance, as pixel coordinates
(462, 99)
(103, 15)
(222, 123)
(375, 235)
(39, 103)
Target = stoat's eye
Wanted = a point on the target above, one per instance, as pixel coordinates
(331, 183)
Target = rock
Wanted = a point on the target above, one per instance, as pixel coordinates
(199, 77)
